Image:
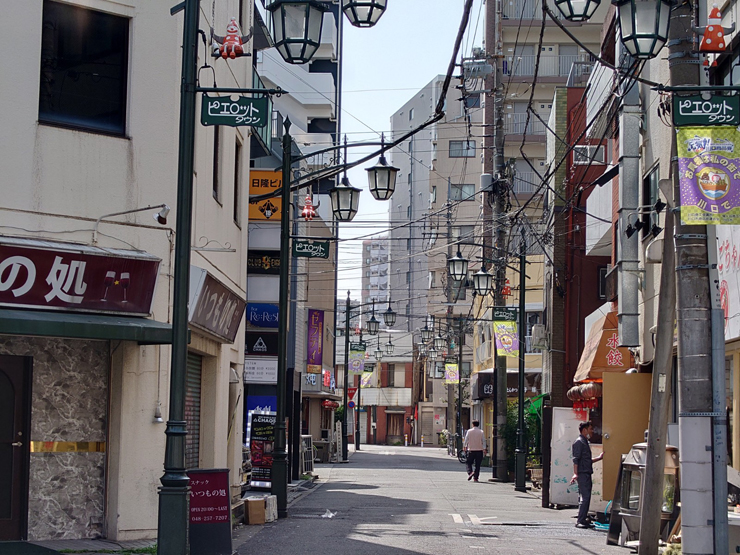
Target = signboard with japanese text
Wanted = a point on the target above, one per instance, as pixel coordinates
(709, 170)
(213, 307)
(315, 341)
(210, 512)
(262, 182)
(58, 276)
(728, 267)
(262, 315)
(223, 110)
(698, 111)
(308, 248)
(507, 340)
(261, 434)
(263, 262)
(261, 344)
(451, 373)
(260, 370)
(505, 314)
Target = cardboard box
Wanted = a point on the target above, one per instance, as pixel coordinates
(255, 510)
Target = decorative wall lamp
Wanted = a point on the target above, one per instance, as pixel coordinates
(644, 26)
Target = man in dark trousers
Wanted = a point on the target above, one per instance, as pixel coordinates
(475, 447)
(582, 471)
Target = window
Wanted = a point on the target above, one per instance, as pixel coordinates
(432, 279)
(462, 149)
(216, 172)
(463, 231)
(472, 101)
(408, 212)
(464, 191)
(434, 193)
(603, 270)
(391, 375)
(237, 183)
(411, 114)
(84, 68)
(649, 197)
(408, 244)
(583, 154)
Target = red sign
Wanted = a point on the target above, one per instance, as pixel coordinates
(351, 392)
(214, 307)
(209, 496)
(59, 276)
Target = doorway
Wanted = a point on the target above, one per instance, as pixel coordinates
(15, 413)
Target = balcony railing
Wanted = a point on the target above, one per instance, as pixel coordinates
(526, 9)
(516, 124)
(550, 66)
(525, 183)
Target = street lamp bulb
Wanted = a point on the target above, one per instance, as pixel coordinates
(389, 347)
(382, 179)
(643, 25)
(577, 10)
(432, 354)
(296, 28)
(363, 13)
(389, 316)
(345, 201)
(439, 343)
(458, 266)
(482, 281)
(426, 334)
(373, 325)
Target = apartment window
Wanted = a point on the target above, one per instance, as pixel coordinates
(216, 165)
(463, 231)
(463, 191)
(391, 375)
(432, 279)
(589, 154)
(367, 261)
(649, 197)
(603, 270)
(409, 179)
(237, 183)
(434, 193)
(472, 101)
(411, 114)
(367, 274)
(462, 149)
(84, 68)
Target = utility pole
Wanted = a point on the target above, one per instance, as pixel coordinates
(345, 385)
(460, 338)
(493, 212)
(521, 439)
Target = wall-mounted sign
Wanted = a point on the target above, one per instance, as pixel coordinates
(307, 248)
(214, 307)
(695, 110)
(260, 183)
(262, 315)
(60, 276)
(505, 314)
(261, 433)
(315, 341)
(261, 344)
(260, 370)
(223, 110)
(263, 262)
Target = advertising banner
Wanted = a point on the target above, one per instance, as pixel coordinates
(210, 512)
(356, 363)
(366, 380)
(261, 434)
(507, 340)
(728, 266)
(709, 171)
(260, 183)
(451, 373)
(315, 342)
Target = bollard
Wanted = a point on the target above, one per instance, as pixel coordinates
(405, 440)
(422, 441)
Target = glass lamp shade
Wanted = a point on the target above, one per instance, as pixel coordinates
(644, 26)
(422, 349)
(363, 13)
(426, 334)
(458, 267)
(577, 10)
(432, 354)
(389, 347)
(345, 200)
(378, 353)
(482, 282)
(439, 343)
(389, 317)
(382, 179)
(373, 325)
(296, 28)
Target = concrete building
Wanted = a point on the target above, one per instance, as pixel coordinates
(89, 142)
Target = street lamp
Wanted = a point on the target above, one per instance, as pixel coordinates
(373, 325)
(382, 176)
(389, 347)
(363, 13)
(482, 282)
(426, 334)
(345, 200)
(422, 349)
(389, 316)
(458, 266)
(577, 10)
(432, 354)
(440, 342)
(378, 351)
(296, 28)
(644, 26)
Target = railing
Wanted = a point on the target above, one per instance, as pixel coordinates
(526, 9)
(579, 74)
(523, 65)
(277, 125)
(525, 183)
(516, 124)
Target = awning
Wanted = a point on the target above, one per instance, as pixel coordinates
(395, 410)
(80, 325)
(320, 395)
(602, 352)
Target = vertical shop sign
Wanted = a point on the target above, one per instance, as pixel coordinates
(315, 343)
(261, 435)
(507, 341)
(210, 512)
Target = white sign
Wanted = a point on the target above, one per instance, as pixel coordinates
(260, 370)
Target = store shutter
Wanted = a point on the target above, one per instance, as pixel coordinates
(192, 410)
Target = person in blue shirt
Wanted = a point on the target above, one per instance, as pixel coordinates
(582, 471)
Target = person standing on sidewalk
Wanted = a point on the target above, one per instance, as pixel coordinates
(475, 448)
(582, 471)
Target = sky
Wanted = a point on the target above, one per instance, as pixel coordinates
(385, 66)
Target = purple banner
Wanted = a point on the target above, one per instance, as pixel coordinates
(315, 343)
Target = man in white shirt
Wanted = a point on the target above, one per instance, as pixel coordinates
(475, 448)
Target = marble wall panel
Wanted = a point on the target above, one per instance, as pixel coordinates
(69, 403)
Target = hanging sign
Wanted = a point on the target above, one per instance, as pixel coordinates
(507, 341)
(451, 373)
(306, 248)
(709, 171)
(260, 183)
(356, 362)
(222, 110)
(315, 343)
(366, 380)
(361, 346)
(695, 110)
(504, 314)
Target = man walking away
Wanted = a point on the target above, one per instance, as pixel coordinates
(475, 448)
(582, 471)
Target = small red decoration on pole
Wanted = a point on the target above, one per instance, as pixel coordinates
(308, 210)
(232, 45)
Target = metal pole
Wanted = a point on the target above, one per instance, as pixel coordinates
(345, 447)
(459, 388)
(357, 413)
(280, 456)
(172, 523)
(521, 446)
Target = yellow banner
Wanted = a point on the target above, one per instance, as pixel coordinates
(260, 183)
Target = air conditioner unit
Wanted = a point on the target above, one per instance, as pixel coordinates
(539, 336)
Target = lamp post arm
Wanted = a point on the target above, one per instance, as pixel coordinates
(104, 216)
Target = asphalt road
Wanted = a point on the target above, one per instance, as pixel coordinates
(413, 500)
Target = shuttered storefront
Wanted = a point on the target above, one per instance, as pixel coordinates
(192, 410)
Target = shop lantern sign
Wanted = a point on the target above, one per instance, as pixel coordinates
(222, 110)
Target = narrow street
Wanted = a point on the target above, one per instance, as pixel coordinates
(403, 500)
